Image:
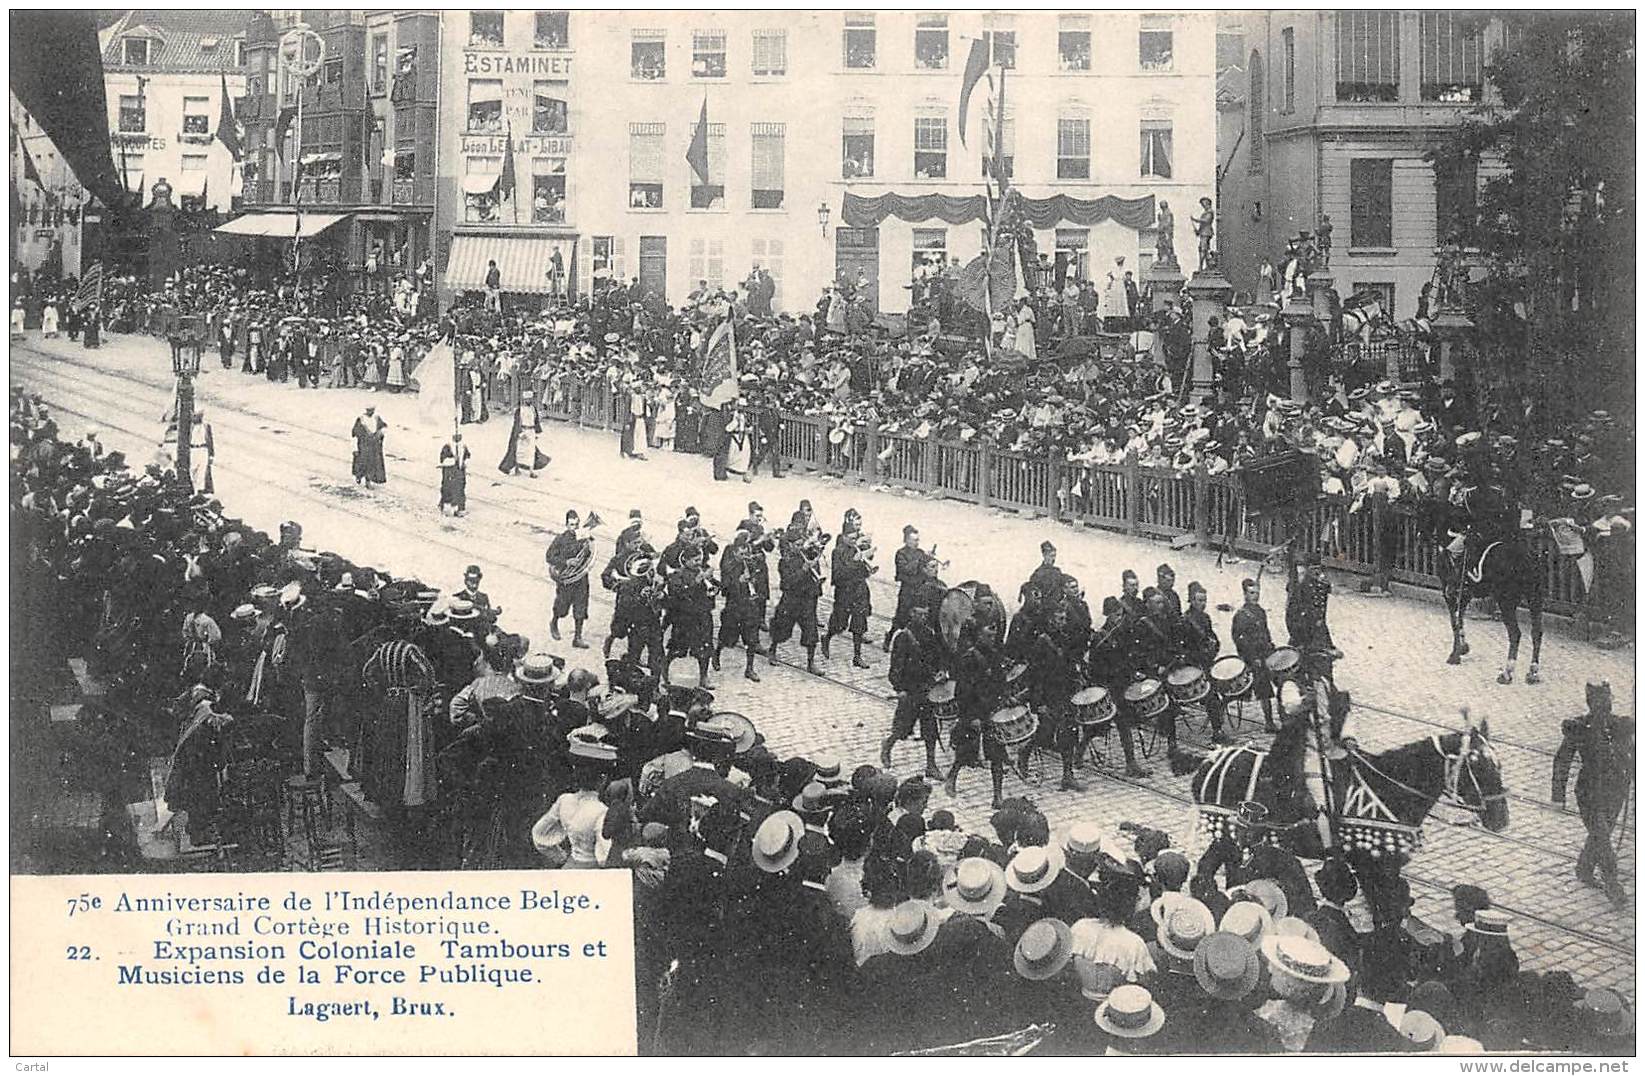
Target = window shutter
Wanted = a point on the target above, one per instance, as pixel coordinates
(645, 152)
(767, 139)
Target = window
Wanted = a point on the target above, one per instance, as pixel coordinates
(131, 170)
(767, 140)
(405, 74)
(858, 42)
(1074, 147)
(135, 51)
(708, 192)
(708, 261)
(708, 54)
(930, 252)
(197, 115)
(648, 55)
(485, 29)
(1256, 110)
(1156, 149)
(1456, 197)
(133, 114)
(379, 63)
(768, 255)
(1371, 203)
(332, 71)
(1002, 46)
(770, 53)
(1074, 249)
(1074, 43)
(405, 164)
(931, 42)
(931, 147)
(194, 162)
(240, 52)
(485, 106)
(552, 30)
(645, 165)
(1288, 38)
(1154, 43)
(1007, 145)
(548, 108)
(1451, 44)
(608, 258)
(1367, 56)
(548, 190)
(482, 202)
(857, 148)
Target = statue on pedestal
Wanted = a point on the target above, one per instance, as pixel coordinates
(1322, 240)
(162, 192)
(1204, 229)
(1165, 236)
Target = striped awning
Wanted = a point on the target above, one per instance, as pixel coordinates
(280, 225)
(523, 262)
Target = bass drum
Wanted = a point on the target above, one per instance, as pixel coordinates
(965, 610)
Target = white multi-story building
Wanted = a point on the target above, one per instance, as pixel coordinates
(48, 213)
(163, 75)
(809, 113)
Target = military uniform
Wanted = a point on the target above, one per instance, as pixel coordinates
(1603, 742)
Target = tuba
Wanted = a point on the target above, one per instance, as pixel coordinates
(576, 566)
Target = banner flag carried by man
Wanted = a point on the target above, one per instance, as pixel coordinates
(437, 388)
(719, 380)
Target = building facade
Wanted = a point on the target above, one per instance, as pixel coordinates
(595, 113)
(1339, 112)
(360, 163)
(48, 213)
(163, 75)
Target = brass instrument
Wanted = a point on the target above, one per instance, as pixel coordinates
(640, 565)
(811, 551)
(576, 567)
(865, 550)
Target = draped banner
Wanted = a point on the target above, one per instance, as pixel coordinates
(860, 212)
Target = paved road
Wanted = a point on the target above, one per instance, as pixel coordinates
(284, 453)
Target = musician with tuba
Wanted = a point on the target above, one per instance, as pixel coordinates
(800, 571)
(740, 617)
(853, 564)
(569, 557)
(631, 575)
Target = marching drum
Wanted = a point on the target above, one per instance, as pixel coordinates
(1187, 683)
(1016, 687)
(1231, 677)
(1093, 707)
(1013, 726)
(1146, 698)
(945, 705)
(1283, 662)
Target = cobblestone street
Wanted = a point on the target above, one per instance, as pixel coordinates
(283, 453)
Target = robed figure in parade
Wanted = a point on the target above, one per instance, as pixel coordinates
(523, 453)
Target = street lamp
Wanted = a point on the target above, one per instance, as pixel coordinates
(187, 344)
(822, 217)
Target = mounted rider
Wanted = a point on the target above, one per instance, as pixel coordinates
(1482, 512)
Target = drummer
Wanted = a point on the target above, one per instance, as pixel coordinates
(915, 669)
(1198, 640)
(1108, 665)
(1052, 680)
(1253, 644)
(1154, 652)
(980, 687)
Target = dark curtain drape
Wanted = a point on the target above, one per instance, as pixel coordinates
(860, 212)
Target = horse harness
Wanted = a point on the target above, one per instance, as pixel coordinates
(1450, 792)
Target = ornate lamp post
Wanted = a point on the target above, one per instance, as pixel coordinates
(822, 217)
(185, 363)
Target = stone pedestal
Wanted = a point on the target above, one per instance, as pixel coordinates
(1165, 284)
(1298, 317)
(162, 235)
(1453, 328)
(1322, 294)
(1211, 293)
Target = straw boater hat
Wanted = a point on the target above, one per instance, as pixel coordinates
(1267, 892)
(1044, 949)
(1249, 920)
(912, 929)
(1490, 922)
(1422, 1031)
(1302, 959)
(1291, 926)
(1227, 966)
(1183, 928)
(1130, 1013)
(978, 887)
(1033, 869)
(776, 843)
(539, 668)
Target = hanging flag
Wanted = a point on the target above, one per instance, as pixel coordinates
(228, 131)
(989, 281)
(505, 182)
(91, 286)
(696, 155)
(719, 380)
(29, 171)
(976, 65)
(283, 125)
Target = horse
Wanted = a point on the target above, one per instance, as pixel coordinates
(1381, 802)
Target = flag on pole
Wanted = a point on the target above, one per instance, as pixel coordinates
(437, 388)
(719, 380)
(91, 286)
(282, 126)
(696, 154)
(976, 65)
(228, 131)
(505, 182)
(989, 281)
(29, 170)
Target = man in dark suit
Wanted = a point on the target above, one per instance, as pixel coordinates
(1603, 743)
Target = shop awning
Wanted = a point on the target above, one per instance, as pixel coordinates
(482, 183)
(522, 261)
(281, 225)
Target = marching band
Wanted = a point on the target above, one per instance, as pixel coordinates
(996, 687)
